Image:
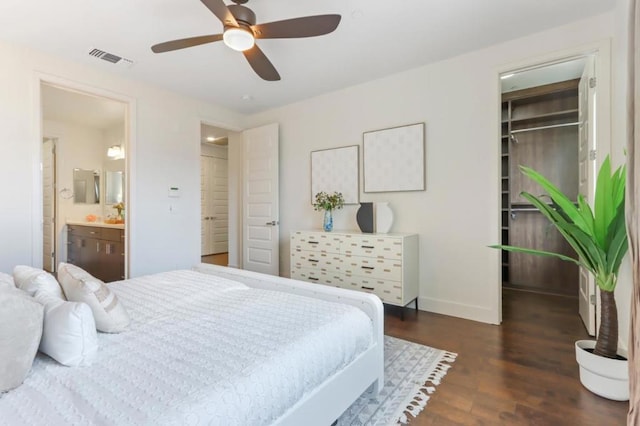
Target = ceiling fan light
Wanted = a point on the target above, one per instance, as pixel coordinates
(238, 39)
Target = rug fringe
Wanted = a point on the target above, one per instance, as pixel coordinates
(420, 399)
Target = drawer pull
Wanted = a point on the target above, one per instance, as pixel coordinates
(368, 288)
(368, 267)
(313, 279)
(313, 242)
(368, 247)
(314, 260)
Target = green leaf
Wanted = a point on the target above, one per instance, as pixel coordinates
(557, 196)
(603, 205)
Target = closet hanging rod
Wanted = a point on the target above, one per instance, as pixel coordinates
(524, 209)
(552, 126)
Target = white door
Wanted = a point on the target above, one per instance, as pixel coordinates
(205, 200)
(586, 179)
(220, 211)
(48, 205)
(260, 200)
(215, 205)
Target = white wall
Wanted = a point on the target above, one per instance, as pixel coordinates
(458, 214)
(164, 152)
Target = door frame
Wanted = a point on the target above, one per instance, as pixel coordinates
(54, 159)
(129, 143)
(601, 51)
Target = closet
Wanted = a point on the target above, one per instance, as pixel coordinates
(539, 130)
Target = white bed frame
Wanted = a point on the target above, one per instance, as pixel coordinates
(327, 402)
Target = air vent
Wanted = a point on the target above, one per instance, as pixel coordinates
(110, 57)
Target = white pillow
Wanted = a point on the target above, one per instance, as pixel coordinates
(6, 282)
(80, 286)
(33, 279)
(69, 335)
(20, 332)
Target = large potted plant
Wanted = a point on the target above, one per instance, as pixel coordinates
(599, 237)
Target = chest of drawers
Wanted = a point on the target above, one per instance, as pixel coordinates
(383, 264)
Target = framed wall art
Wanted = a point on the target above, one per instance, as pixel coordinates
(336, 170)
(394, 159)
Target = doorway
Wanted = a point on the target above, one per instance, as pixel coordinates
(548, 120)
(83, 169)
(214, 174)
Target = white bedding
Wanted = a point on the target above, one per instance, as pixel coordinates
(200, 350)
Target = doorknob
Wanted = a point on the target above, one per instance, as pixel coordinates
(272, 223)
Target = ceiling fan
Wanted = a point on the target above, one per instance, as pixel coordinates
(241, 31)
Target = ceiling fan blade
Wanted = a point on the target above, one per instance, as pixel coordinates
(309, 26)
(168, 46)
(261, 64)
(221, 11)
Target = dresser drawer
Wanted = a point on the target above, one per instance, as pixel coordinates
(317, 276)
(387, 291)
(372, 246)
(85, 231)
(385, 269)
(113, 234)
(316, 241)
(315, 260)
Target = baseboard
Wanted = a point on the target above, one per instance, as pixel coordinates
(470, 312)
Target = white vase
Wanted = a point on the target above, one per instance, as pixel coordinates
(603, 376)
(384, 217)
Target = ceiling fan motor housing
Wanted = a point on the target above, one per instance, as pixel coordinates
(243, 15)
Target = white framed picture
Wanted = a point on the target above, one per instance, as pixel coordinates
(394, 159)
(336, 170)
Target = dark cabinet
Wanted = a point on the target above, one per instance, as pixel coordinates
(97, 250)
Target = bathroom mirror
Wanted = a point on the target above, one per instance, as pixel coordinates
(86, 186)
(114, 187)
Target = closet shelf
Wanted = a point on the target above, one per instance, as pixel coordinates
(567, 113)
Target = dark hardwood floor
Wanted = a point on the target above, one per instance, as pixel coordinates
(522, 372)
(221, 259)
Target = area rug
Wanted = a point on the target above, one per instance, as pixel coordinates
(411, 373)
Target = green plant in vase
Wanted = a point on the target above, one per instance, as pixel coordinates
(328, 203)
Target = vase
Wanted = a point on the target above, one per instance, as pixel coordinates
(364, 217)
(384, 217)
(327, 224)
(606, 377)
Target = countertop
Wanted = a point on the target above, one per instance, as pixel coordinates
(99, 224)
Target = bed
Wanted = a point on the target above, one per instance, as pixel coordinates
(216, 345)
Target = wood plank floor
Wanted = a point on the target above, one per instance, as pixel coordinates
(520, 373)
(221, 259)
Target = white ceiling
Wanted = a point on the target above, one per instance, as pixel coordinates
(375, 38)
(554, 73)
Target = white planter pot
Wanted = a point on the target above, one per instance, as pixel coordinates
(606, 377)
